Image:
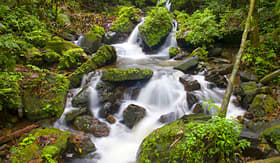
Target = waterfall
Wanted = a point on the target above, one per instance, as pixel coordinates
(163, 94)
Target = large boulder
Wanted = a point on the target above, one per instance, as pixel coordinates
(92, 40)
(155, 28)
(80, 146)
(70, 116)
(272, 136)
(189, 83)
(188, 64)
(216, 74)
(91, 125)
(262, 105)
(59, 45)
(133, 114)
(123, 75)
(44, 95)
(104, 56)
(41, 145)
(246, 92)
(246, 77)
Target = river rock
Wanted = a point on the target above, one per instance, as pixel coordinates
(270, 77)
(70, 116)
(49, 102)
(82, 98)
(80, 146)
(189, 83)
(133, 114)
(272, 136)
(197, 109)
(246, 93)
(110, 118)
(173, 52)
(246, 77)
(91, 125)
(188, 64)
(182, 55)
(262, 105)
(168, 118)
(123, 75)
(115, 37)
(50, 142)
(92, 40)
(104, 56)
(215, 52)
(191, 99)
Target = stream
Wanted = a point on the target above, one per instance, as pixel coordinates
(162, 94)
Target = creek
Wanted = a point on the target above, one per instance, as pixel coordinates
(161, 95)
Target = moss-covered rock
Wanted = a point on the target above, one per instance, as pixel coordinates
(188, 64)
(122, 75)
(71, 59)
(272, 136)
(262, 105)
(104, 56)
(44, 95)
(59, 45)
(133, 114)
(173, 52)
(127, 19)
(34, 56)
(155, 28)
(82, 98)
(93, 39)
(42, 144)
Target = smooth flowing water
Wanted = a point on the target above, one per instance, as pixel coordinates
(163, 94)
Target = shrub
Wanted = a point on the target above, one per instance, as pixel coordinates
(199, 29)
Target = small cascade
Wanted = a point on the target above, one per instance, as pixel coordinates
(168, 5)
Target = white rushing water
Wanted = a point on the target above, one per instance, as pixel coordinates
(163, 94)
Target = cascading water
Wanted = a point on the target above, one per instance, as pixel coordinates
(163, 94)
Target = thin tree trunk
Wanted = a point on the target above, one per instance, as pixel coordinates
(237, 62)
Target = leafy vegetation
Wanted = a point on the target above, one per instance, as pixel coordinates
(199, 29)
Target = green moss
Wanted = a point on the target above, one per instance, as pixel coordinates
(71, 59)
(44, 96)
(262, 105)
(156, 26)
(272, 135)
(127, 19)
(105, 55)
(96, 32)
(173, 51)
(27, 151)
(59, 45)
(51, 57)
(121, 75)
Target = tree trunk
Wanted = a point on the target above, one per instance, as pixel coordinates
(237, 62)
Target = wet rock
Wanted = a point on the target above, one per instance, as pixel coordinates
(115, 37)
(189, 83)
(82, 98)
(80, 146)
(191, 99)
(133, 114)
(123, 75)
(104, 56)
(110, 118)
(181, 56)
(262, 105)
(246, 91)
(269, 160)
(91, 125)
(216, 75)
(249, 115)
(92, 40)
(188, 64)
(168, 118)
(70, 116)
(197, 109)
(246, 77)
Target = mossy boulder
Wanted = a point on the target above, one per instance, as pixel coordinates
(71, 59)
(34, 56)
(42, 144)
(155, 28)
(82, 98)
(262, 105)
(93, 39)
(133, 114)
(70, 116)
(44, 95)
(156, 147)
(127, 19)
(173, 52)
(123, 75)
(104, 56)
(272, 136)
(188, 64)
(59, 45)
